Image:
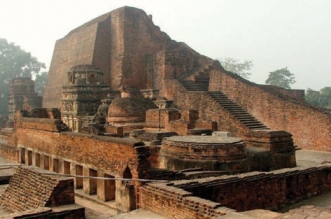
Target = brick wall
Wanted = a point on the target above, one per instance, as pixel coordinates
(172, 202)
(159, 118)
(272, 190)
(117, 42)
(208, 108)
(309, 126)
(292, 93)
(76, 48)
(203, 198)
(107, 153)
(52, 125)
(9, 152)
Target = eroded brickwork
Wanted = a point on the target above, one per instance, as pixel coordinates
(309, 125)
(203, 198)
(112, 154)
(117, 42)
(30, 188)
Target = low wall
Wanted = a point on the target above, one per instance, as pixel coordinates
(256, 190)
(171, 202)
(203, 198)
(52, 125)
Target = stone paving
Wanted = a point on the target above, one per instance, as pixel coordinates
(94, 210)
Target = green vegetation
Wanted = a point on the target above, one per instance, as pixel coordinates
(281, 78)
(15, 62)
(320, 98)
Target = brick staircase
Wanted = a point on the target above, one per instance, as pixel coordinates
(193, 86)
(199, 81)
(239, 113)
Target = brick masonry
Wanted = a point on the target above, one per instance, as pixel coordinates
(30, 188)
(217, 196)
(117, 42)
(309, 125)
(107, 153)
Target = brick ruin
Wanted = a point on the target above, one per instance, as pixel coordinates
(130, 50)
(31, 193)
(124, 101)
(22, 96)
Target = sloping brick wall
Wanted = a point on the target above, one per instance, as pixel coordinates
(30, 188)
(117, 42)
(310, 126)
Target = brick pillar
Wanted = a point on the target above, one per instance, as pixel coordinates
(26, 158)
(22, 155)
(29, 155)
(106, 188)
(37, 159)
(55, 165)
(89, 185)
(66, 167)
(76, 169)
(46, 162)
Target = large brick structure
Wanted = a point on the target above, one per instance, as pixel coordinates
(135, 145)
(131, 50)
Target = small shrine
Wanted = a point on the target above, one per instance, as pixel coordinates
(82, 95)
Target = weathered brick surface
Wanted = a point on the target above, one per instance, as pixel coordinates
(9, 152)
(52, 125)
(30, 188)
(177, 203)
(208, 108)
(309, 125)
(159, 118)
(203, 198)
(218, 149)
(107, 153)
(117, 42)
(272, 190)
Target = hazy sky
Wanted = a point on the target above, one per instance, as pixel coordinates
(272, 33)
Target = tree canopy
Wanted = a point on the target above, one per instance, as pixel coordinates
(40, 82)
(237, 67)
(14, 62)
(281, 78)
(320, 98)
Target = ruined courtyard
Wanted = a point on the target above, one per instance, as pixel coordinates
(137, 121)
